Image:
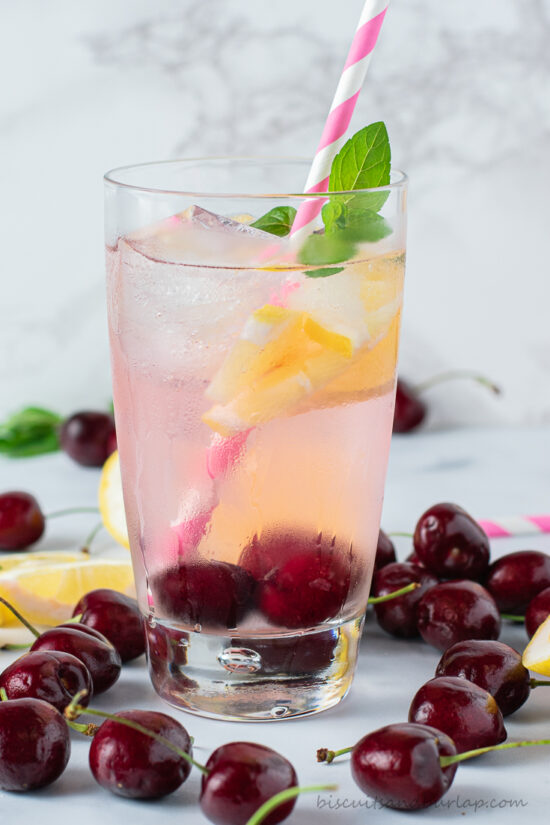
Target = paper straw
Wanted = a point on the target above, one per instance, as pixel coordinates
(224, 453)
(507, 526)
(341, 110)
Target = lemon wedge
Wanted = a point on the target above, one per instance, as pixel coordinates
(111, 503)
(536, 655)
(46, 592)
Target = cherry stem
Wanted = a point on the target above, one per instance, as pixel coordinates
(21, 618)
(74, 710)
(90, 537)
(283, 796)
(87, 729)
(538, 683)
(511, 618)
(14, 647)
(398, 533)
(68, 511)
(394, 594)
(445, 761)
(452, 375)
(74, 619)
(324, 755)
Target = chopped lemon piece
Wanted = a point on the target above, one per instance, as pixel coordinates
(286, 356)
(327, 339)
(46, 593)
(111, 503)
(536, 655)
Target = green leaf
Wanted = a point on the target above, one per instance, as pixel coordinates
(278, 221)
(30, 431)
(364, 160)
(334, 215)
(324, 272)
(365, 225)
(318, 250)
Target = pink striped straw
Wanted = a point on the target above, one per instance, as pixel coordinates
(516, 526)
(341, 110)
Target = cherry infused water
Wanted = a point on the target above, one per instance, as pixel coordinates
(254, 402)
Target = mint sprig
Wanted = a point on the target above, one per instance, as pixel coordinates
(364, 162)
(31, 431)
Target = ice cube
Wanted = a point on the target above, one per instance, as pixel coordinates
(197, 236)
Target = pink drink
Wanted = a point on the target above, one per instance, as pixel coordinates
(254, 410)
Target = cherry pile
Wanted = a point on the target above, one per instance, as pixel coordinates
(294, 581)
(458, 607)
(462, 595)
(137, 754)
(455, 716)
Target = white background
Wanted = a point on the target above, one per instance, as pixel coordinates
(463, 87)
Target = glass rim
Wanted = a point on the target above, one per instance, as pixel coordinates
(110, 178)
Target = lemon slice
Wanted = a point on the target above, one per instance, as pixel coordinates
(35, 559)
(46, 593)
(111, 503)
(536, 655)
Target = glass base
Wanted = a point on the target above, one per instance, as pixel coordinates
(261, 678)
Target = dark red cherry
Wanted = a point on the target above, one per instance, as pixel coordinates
(385, 551)
(293, 656)
(265, 554)
(450, 544)
(97, 653)
(131, 764)
(306, 590)
(410, 410)
(301, 580)
(166, 646)
(54, 677)
(241, 777)
(515, 579)
(399, 616)
(537, 611)
(21, 520)
(399, 765)
(414, 558)
(117, 617)
(462, 710)
(88, 437)
(212, 594)
(34, 744)
(493, 666)
(455, 611)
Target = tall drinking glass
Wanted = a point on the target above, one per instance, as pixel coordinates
(254, 380)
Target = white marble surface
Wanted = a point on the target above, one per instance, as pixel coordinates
(463, 88)
(485, 470)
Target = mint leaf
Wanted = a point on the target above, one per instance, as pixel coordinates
(30, 431)
(363, 161)
(334, 215)
(365, 225)
(324, 272)
(326, 249)
(278, 221)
